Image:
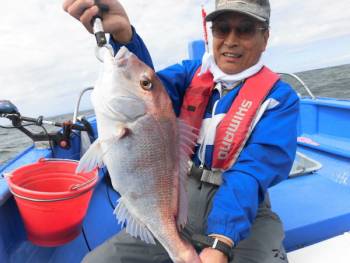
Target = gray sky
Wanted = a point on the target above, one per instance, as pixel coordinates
(47, 57)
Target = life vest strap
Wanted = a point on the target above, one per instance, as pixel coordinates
(234, 130)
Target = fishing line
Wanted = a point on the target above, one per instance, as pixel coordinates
(108, 188)
(50, 142)
(4, 127)
(11, 127)
(85, 238)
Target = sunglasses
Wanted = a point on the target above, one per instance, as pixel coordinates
(244, 30)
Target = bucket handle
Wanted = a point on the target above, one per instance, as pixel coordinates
(41, 160)
(6, 175)
(47, 200)
(77, 186)
(56, 159)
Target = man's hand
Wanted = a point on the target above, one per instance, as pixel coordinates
(211, 255)
(115, 21)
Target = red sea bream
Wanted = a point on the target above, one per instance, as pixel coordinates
(145, 148)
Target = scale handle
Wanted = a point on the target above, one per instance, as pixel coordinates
(97, 25)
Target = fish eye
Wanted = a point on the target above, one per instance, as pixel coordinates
(146, 83)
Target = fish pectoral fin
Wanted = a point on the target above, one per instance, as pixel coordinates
(133, 226)
(121, 132)
(91, 158)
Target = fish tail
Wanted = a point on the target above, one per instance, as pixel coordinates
(179, 250)
(186, 255)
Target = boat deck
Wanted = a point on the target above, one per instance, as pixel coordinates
(314, 207)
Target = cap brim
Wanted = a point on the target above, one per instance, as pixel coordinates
(214, 14)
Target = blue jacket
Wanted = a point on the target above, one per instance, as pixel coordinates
(265, 160)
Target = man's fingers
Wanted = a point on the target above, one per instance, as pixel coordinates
(78, 7)
(115, 19)
(66, 4)
(86, 17)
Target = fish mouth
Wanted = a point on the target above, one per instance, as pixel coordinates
(122, 57)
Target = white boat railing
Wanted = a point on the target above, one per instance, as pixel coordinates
(77, 106)
(301, 82)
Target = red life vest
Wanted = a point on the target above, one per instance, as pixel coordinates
(236, 127)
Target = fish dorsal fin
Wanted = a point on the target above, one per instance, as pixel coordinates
(133, 226)
(187, 140)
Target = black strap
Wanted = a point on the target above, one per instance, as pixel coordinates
(202, 241)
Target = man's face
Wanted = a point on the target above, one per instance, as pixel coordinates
(238, 49)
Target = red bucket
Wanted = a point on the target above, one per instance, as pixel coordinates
(52, 199)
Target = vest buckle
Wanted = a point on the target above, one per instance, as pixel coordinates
(212, 177)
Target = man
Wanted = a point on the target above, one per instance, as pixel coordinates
(234, 164)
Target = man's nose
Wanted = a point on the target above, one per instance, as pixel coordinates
(232, 39)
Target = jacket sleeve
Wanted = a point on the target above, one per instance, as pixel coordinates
(265, 161)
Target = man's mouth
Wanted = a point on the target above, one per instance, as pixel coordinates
(232, 55)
